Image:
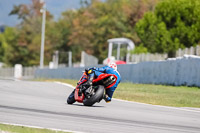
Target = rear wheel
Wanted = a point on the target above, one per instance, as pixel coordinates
(97, 97)
(71, 99)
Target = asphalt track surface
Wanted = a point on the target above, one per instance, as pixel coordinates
(43, 104)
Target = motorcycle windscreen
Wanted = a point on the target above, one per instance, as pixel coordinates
(83, 79)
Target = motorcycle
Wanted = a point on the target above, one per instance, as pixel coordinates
(90, 94)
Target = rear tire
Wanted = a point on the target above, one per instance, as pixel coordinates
(97, 97)
(71, 99)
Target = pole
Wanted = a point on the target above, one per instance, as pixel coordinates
(127, 55)
(70, 59)
(118, 51)
(43, 36)
(56, 58)
(110, 50)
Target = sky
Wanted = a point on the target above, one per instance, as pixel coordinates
(56, 7)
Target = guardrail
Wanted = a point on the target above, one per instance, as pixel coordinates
(177, 71)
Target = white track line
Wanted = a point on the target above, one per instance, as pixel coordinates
(38, 127)
(65, 84)
(177, 108)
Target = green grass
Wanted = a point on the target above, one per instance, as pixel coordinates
(181, 96)
(178, 96)
(22, 129)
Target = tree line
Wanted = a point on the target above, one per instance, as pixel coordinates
(155, 26)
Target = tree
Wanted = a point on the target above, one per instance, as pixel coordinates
(9, 48)
(2, 49)
(27, 45)
(92, 25)
(174, 24)
(87, 28)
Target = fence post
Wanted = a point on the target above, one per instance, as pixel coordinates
(18, 71)
(191, 50)
(198, 50)
(179, 53)
(186, 51)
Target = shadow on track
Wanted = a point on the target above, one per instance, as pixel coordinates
(76, 104)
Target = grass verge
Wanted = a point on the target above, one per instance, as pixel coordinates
(177, 96)
(4, 128)
(180, 96)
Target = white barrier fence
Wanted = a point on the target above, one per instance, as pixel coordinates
(18, 72)
(159, 57)
(188, 51)
(148, 57)
(176, 71)
(6, 72)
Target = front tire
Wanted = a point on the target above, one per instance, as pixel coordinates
(97, 97)
(71, 99)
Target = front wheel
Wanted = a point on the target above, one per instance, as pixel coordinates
(95, 98)
(71, 99)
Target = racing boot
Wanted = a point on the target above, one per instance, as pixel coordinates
(107, 98)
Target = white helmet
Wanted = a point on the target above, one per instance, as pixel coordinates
(113, 65)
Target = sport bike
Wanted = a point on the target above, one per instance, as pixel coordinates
(90, 94)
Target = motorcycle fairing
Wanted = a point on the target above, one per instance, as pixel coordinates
(77, 97)
(103, 76)
(99, 79)
(81, 81)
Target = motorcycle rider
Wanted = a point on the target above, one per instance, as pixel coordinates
(110, 69)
